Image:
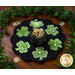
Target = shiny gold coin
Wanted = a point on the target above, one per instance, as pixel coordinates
(66, 60)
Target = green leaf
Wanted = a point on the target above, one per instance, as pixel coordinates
(56, 13)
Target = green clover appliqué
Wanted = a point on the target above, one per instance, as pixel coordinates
(54, 44)
(52, 30)
(36, 23)
(23, 32)
(40, 53)
(22, 47)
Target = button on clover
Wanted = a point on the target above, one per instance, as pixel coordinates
(22, 47)
(40, 53)
(36, 23)
(23, 32)
(51, 30)
(54, 44)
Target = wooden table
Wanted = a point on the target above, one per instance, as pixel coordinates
(50, 64)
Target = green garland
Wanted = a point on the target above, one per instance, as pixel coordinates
(60, 12)
(70, 48)
(4, 60)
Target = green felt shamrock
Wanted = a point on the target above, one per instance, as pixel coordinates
(23, 32)
(40, 53)
(36, 23)
(51, 30)
(22, 47)
(54, 44)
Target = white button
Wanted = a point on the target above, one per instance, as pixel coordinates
(39, 52)
(55, 44)
(35, 23)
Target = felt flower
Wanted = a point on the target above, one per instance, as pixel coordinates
(51, 30)
(23, 32)
(54, 44)
(36, 23)
(22, 47)
(16, 23)
(40, 53)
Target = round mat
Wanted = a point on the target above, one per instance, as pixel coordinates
(28, 56)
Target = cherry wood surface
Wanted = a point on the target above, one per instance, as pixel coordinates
(50, 64)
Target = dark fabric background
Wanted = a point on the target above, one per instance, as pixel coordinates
(28, 56)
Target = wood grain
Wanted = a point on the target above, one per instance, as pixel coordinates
(50, 64)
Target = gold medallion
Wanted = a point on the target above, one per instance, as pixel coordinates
(66, 60)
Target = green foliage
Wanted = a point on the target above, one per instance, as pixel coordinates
(25, 10)
(22, 47)
(1, 36)
(37, 9)
(48, 10)
(4, 60)
(73, 32)
(51, 30)
(58, 11)
(71, 23)
(70, 48)
(70, 45)
(68, 14)
(72, 26)
(36, 23)
(23, 32)
(54, 44)
(40, 53)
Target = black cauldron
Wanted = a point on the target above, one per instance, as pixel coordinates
(38, 41)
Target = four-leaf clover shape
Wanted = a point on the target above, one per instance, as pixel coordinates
(23, 32)
(22, 47)
(51, 30)
(36, 23)
(40, 53)
(54, 44)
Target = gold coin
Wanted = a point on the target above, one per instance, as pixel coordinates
(66, 60)
(16, 23)
(16, 59)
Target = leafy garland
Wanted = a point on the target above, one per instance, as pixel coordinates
(60, 12)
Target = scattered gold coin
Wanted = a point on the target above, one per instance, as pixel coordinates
(16, 23)
(62, 23)
(16, 59)
(66, 60)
